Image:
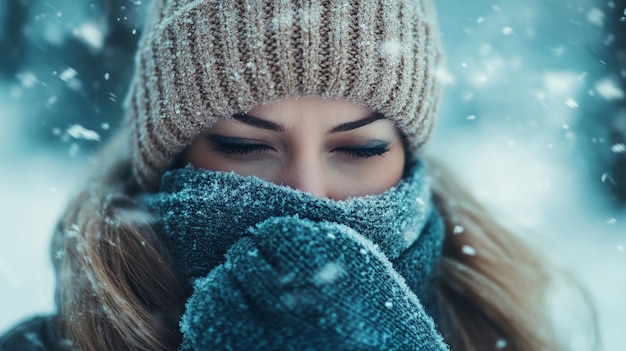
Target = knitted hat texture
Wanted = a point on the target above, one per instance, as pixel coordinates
(205, 60)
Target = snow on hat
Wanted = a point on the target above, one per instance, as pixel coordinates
(205, 60)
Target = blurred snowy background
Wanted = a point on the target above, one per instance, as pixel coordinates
(534, 120)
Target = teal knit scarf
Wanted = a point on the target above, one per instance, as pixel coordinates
(259, 258)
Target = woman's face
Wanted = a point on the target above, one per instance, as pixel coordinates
(329, 148)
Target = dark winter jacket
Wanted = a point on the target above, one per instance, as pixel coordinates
(36, 334)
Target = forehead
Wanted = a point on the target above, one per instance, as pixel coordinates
(312, 107)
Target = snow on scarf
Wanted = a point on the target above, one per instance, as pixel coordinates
(274, 268)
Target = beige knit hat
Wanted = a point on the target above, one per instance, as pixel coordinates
(205, 60)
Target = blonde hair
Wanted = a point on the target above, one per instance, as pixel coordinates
(496, 296)
(116, 289)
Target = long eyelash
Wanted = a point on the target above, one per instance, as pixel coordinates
(365, 152)
(235, 146)
(239, 149)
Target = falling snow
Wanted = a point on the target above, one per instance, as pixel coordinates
(27, 79)
(77, 131)
(498, 93)
(91, 34)
(507, 30)
(391, 48)
(468, 250)
(618, 148)
(500, 344)
(571, 103)
(609, 89)
(596, 16)
(606, 178)
(68, 75)
(328, 274)
(420, 201)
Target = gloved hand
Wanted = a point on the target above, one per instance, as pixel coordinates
(294, 284)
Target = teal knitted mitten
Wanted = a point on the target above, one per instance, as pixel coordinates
(295, 284)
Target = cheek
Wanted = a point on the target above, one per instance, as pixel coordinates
(198, 155)
(371, 178)
(389, 172)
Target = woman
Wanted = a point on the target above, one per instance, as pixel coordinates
(268, 191)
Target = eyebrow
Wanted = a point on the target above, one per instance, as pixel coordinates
(263, 124)
(358, 123)
(258, 122)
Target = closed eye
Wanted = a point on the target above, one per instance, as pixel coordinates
(374, 149)
(236, 146)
